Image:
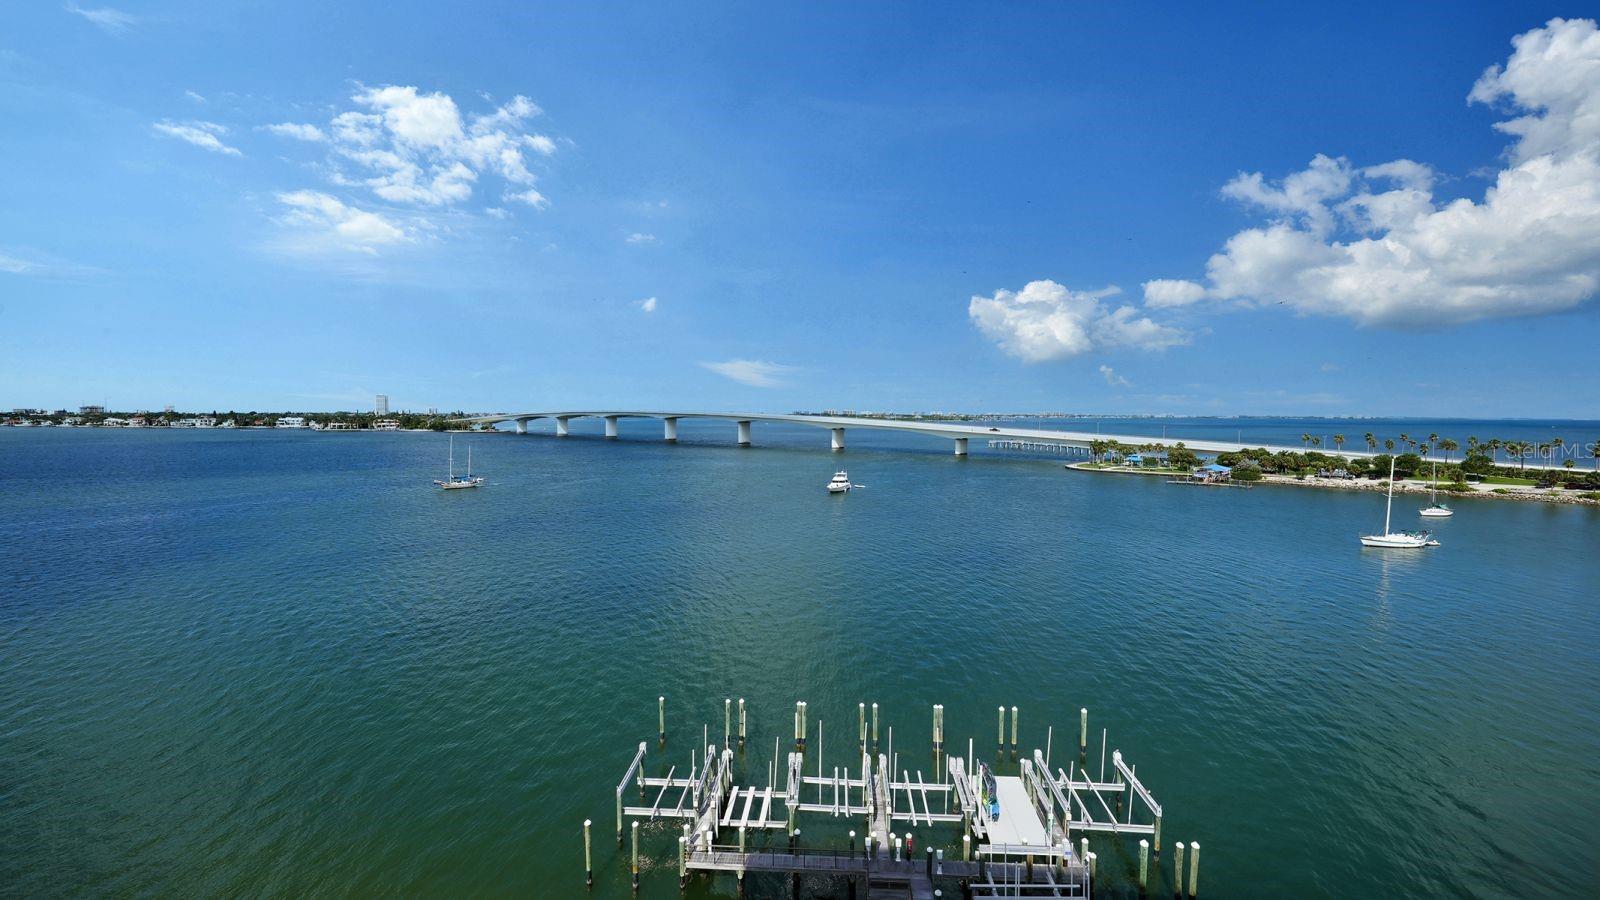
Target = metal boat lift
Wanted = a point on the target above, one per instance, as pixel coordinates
(1037, 846)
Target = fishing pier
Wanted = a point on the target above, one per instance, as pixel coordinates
(878, 827)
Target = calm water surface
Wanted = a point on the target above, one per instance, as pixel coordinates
(268, 663)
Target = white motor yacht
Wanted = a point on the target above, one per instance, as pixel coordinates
(840, 483)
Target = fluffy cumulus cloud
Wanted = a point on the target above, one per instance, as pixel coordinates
(1375, 245)
(648, 304)
(330, 224)
(753, 372)
(1165, 292)
(205, 135)
(413, 147)
(1047, 321)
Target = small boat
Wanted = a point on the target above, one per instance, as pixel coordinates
(991, 791)
(1435, 509)
(1396, 539)
(452, 481)
(840, 483)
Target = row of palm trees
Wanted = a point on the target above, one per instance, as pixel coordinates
(1517, 449)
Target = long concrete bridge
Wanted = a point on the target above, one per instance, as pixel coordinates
(960, 434)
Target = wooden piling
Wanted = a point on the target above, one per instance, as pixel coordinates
(1194, 868)
(727, 720)
(636, 857)
(741, 723)
(661, 718)
(588, 856)
(861, 713)
(1000, 735)
(1013, 732)
(1083, 733)
(1144, 865)
(1177, 869)
(683, 863)
(874, 728)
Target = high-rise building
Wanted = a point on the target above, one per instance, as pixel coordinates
(92, 410)
(383, 405)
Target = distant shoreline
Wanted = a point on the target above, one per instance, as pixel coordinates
(1402, 486)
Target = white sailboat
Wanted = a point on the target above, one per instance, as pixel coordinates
(1396, 539)
(1435, 509)
(452, 481)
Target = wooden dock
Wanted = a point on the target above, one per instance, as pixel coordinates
(1022, 835)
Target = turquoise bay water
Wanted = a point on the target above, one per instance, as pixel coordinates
(278, 663)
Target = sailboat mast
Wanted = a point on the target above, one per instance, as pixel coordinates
(1388, 506)
(450, 461)
(469, 460)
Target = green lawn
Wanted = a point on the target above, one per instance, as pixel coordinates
(1501, 479)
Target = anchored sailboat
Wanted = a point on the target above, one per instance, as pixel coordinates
(1435, 509)
(452, 481)
(1396, 539)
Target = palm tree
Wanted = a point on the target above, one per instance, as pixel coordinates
(1424, 449)
(1433, 438)
(1338, 442)
(1558, 445)
(1316, 442)
(1405, 438)
(1594, 450)
(1305, 439)
(1388, 444)
(1372, 442)
(1448, 445)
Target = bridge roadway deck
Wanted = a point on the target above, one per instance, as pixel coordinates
(915, 426)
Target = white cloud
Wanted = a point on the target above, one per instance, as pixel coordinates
(410, 146)
(1167, 292)
(195, 96)
(1330, 367)
(641, 238)
(498, 213)
(1112, 378)
(1374, 244)
(205, 135)
(114, 21)
(297, 130)
(530, 196)
(15, 265)
(648, 304)
(749, 371)
(326, 223)
(1047, 321)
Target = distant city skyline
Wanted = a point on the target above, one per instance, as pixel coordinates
(1173, 210)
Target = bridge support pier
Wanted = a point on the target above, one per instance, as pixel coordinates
(671, 424)
(561, 426)
(961, 446)
(611, 428)
(522, 426)
(838, 444)
(744, 433)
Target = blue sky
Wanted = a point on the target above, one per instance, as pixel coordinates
(1146, 210)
